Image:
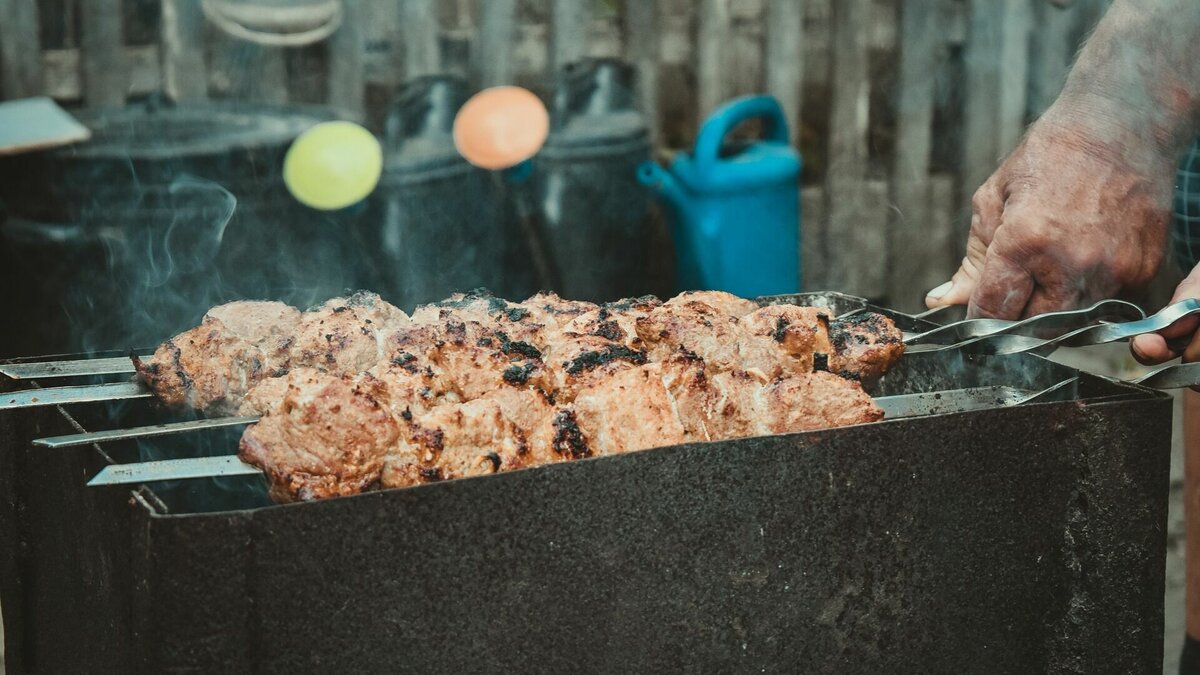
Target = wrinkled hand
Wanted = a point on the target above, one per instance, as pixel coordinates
(1075, 214)
(1180, 339)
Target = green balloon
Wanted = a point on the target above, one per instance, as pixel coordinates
(333, 165)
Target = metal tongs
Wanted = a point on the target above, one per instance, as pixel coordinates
(960, 334)
(998, 338)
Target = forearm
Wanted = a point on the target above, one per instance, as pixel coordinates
(1138, 76)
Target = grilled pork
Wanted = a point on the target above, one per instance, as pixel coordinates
(354, 394)
(212, 366)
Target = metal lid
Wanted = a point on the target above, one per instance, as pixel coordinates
(419, 131)
(158, 130)
(593, 108)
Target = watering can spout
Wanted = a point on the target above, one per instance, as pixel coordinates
(653, 176)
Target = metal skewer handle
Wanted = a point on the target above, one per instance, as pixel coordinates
(1096, 334)
(1040, 326)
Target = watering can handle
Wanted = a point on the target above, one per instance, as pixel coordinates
(733, 113)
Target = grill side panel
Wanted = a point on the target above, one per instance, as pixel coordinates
(1012, 541)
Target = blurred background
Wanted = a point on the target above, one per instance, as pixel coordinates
(898, 110)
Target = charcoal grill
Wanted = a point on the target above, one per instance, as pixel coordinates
(1016, 539)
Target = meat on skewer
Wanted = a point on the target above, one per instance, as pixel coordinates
(355, 394)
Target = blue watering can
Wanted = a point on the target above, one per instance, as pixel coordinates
(735, 217)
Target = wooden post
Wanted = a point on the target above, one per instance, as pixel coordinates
(916, 265)
(785, 58)
(1051, 53)
(497, 32)
(855, 243)
(422, 49)
(20, 49)
(569, 37)
(347, 55)
(184, 77)
(105, 73)
(814, 268)
(641, 44)
(1014, 73)
(247, 71)
(981, 62)
(712, 53)
(996, 61)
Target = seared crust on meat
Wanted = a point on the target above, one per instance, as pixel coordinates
(864, 346)
(346, 335)
(354, 394)
(325, 438)
(726, 303)
(455, 441)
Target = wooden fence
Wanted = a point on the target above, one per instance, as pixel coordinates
(900, 107)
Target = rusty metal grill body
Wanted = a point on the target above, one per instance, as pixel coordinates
(1013, 540)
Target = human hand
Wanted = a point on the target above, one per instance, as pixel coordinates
(1180, 339)
(1078, 212)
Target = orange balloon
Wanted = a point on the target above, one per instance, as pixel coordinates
(501, 127)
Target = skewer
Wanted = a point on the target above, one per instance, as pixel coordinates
(33, 398)
(952, 335)
(117, 365)
(74, 440)
(173, 469)
(894, 407)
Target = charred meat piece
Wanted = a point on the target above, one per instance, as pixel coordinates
(694, 327)
(735, 404)
(578, 361)
(726, 303)
(346, 335)
(324, 438)
(472, 358)
(775, 340)
(481, 307)
(532, 411)
(212, 366)
(636, 409)
(553, 312)
(455, 441)
(864, 346)
(616, 321)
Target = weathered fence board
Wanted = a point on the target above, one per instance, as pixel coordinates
(856, 247)
(916, 264)
(497, 32)
(784, 58)
(184, 75)
(104, 70)
(712, 54)
(20, 49)
(347, 81)
(422, 52)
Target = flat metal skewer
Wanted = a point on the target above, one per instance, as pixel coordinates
(74, 440)
(173, 469)
(117, 365)
(33, 398)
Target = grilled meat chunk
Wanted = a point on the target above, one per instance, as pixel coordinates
(737, 405)
(492, 313)
(579, 360)
(616, 321)
(324, 438)
(864, 346)
(212, 366)
(346, 335)
(725, 303)
(635, 409)
(553, 312)
(455, 441)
